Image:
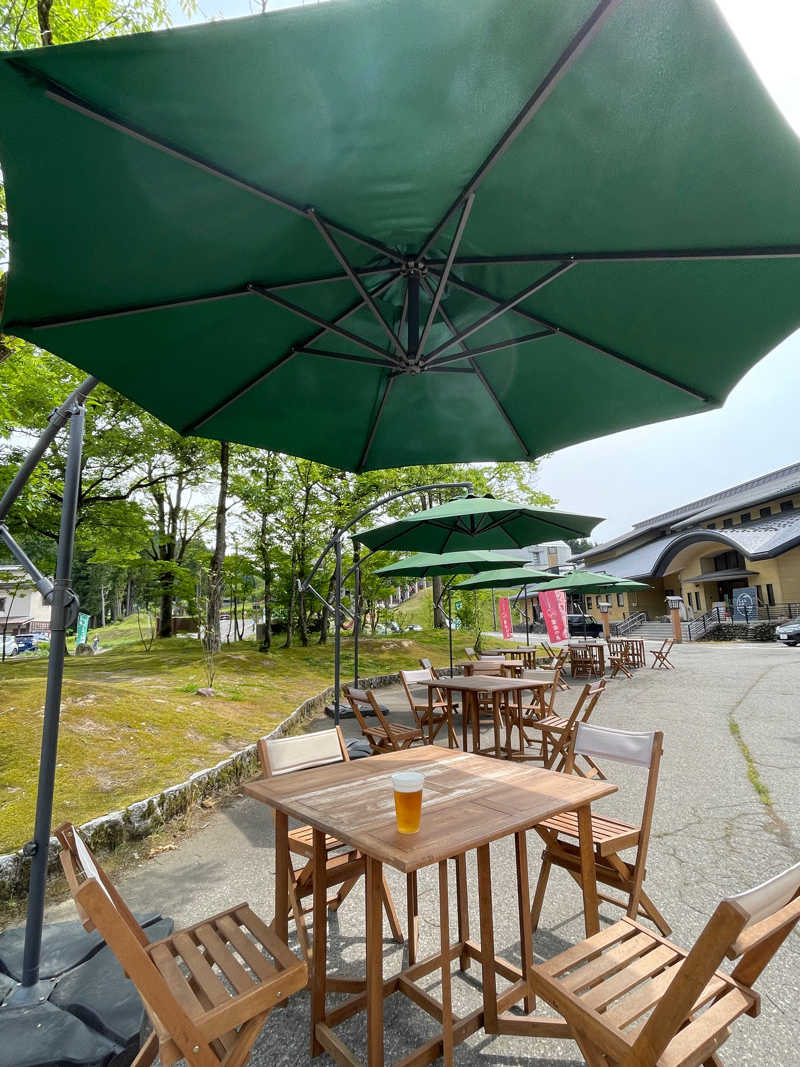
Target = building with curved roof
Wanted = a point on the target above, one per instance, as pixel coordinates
(705, 551)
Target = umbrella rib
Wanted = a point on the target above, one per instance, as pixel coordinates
(373, 429)
(604, 350)
(262, 375)
(311, 317)
(503, 307)
(121, 312)
(333, 245)
(481, 376)
(363, 271)
(579, 41)
(62, 95)
(498, 346)
(346, 356)
(448, 266)
(634, 255)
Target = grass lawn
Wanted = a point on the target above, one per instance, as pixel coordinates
(132, 722)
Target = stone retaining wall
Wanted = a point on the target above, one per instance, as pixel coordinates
(145, 816)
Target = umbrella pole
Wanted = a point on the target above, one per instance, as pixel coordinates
(64, 604)
(450, 626)
(337, 628)
(527, 618)
(357, 612)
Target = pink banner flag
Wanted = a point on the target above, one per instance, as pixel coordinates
(505, 617)
(553, 604)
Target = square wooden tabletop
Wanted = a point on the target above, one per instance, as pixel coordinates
(479, 683)
(467, 801)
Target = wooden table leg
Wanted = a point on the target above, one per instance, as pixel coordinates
(588, 873)
(476, 723)
(319, 959)
(523, 904)
(466, 711)
(374, 951)
(488, 976)
(412, 907)
(498, 748)
(452, 741)
(462, 899)
(281, 922)
(444, 947)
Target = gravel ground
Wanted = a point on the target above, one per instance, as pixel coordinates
(712, 835)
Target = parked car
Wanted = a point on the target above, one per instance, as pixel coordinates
(27, 642)
(10, 646)
(789, 633)
(584, 624)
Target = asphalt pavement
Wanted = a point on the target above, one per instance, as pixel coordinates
(713, 835)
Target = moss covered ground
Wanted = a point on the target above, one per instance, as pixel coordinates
(132, 721)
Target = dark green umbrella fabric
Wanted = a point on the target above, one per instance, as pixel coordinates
(429, 564)
(476, 522)
(505, 579)
(591, 582)
(241, 225)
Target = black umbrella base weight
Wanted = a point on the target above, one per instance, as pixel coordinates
(83, 1011)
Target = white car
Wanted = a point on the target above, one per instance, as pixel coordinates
(10, 647)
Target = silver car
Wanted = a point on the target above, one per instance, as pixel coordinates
(789, 632)
(10, 646)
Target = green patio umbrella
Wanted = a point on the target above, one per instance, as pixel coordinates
(476, 522)
(429, 564)
(590, 582)
(505, 579)
(377, 234)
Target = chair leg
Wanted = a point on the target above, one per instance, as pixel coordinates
(648, 908)
(412, 908)
(391, 914)
(246, 1038)
(299, 922)
(344, 891)
(541, 887)
(148, 1052)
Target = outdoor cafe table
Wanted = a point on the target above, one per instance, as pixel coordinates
(468, 802)
(497, 689)
(597, 651)
(637, 652)
(523, 652)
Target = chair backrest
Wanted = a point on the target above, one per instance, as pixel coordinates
(282, 755)
(490, 667)
(666, 646)
(425, 664)
(752, 925)
(470, 652)
(80, 866)
(551, 700)
(357, 698)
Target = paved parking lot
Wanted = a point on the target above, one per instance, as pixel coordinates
(713, 835)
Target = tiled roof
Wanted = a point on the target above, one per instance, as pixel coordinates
(782, 482)
(761, 539)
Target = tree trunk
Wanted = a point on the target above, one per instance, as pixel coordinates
(129, 597)
(102, 604)
(439, 618)
(290, 609)
(214, 609)
(167, 582)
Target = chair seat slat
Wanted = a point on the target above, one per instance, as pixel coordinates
(637, 971)
(201, 970)
(564, 961)
(224, 959)
(253, 957)
(280, 952)
(176, 980)
(703, 1034)
(607, 964)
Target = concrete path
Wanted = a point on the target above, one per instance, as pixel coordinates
(713, 835)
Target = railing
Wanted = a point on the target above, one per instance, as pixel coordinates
(631, 623)
(702, 625)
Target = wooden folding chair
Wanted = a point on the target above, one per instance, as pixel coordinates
(558, 661)
(632, 999)
(343, 865)
(383, 736)
(470, 652)
(207, 989)
(555, 733)
(581, 662)
(661, 655)
(609, 836)
(619, 658)
(426, 665)
(430, 718)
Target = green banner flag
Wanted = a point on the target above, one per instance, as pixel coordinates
(83, 629)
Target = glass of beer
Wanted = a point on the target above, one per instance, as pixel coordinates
(407, 800)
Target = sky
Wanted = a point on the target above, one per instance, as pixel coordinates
(630, 476)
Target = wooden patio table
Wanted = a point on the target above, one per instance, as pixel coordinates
(637, 653)
(470, 688)
(468, 802)
(597, 650)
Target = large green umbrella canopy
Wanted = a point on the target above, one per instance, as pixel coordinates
(579, 582)
(430, 564)
(375, 233)
(475, 522)
(505, 579)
